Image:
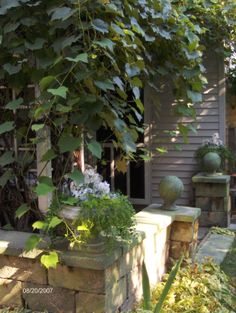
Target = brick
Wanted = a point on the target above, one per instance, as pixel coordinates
(60, 300)
(211, 190)
(89, 303)
(210, 203)
(10, 292)
(182, 231)
(22, 269)
(116, 296)
(134, 282)
(79, 279)
(214, 219)
(177, 248)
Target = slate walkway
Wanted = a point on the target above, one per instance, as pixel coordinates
(215, 246)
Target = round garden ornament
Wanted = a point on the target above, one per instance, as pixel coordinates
(211, 163)
(170, 190)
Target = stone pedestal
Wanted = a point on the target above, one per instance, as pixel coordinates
(182, 226)
(213, 197)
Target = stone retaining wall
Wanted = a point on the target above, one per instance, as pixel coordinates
(101, 283)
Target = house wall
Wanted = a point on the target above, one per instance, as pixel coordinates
(179, 160)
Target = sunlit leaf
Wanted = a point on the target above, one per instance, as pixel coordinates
(50, 260)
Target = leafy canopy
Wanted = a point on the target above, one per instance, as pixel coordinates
(86, 58)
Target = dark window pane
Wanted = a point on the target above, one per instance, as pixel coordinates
(104, 165)
(137, 180)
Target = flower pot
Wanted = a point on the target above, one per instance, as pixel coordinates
(69, 213)
(94, 246)
(211, 163)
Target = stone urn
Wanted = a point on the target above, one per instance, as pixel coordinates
(211, 162)
(95, 245)
(170, 190)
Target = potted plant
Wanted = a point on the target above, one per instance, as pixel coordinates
(212, 155)
(90, 215)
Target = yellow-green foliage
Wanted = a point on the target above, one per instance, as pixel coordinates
(199, 289)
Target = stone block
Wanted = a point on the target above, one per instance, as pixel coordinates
(89, 303)
(134, 284)
(10, 292)
(208, 219)
(178, 248)
(211, 203)
(182, 231)
(211, 190)
(58, 300)
(113, 274)
(79, 279)
(116, 296)
(22, 269)
(131, 259)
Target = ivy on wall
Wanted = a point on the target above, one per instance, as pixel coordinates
(86, 56)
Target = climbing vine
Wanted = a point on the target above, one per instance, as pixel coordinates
(84, 58)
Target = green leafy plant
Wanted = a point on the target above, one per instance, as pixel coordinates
(84, 58)
(197, 288)
(147, 291)
(90, 213)
(222, 231)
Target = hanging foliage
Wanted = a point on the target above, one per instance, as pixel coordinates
(85, 57)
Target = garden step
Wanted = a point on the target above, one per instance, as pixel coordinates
(215, 246)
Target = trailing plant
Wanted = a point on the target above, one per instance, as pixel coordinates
(215, 145)
(197, 288)
(84, 58)
(84, 213)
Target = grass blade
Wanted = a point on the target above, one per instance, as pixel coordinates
(146, 288)
(168, 285)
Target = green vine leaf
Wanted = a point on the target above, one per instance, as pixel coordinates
(105, 43)
(100, 26)
(37, 127)
(83, 57)
(60, 91)
(6, 127)
(68, 143)
(95, 148)
(55, 221)
(39, 225)
(49, 155)
(62, 13)
(46, 81)
(45, 186)
(104, 85)
(6, 176)
(50, 260)
(77, 176)
(7, 158)
(15, 104)
(32, 242)
(22, 210)
(12, 69)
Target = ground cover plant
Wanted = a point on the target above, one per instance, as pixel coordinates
(197, 289)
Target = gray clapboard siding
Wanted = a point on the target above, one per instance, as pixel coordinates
(210, 119)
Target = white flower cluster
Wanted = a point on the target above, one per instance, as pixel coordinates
(215, 140)
(93, 185)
